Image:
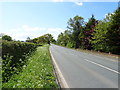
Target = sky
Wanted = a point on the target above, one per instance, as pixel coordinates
(33, 19)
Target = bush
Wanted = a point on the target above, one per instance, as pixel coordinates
(70, 44)
(14, 56)
(37, 73)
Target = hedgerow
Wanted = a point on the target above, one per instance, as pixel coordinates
(37, 73)
(14, 56)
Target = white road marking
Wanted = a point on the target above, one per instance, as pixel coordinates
(60, 74)
(103, 66)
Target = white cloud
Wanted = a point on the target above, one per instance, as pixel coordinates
(55, 31)
(26, 31)
(79, 3)
(28, 28)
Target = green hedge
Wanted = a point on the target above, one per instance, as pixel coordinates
(37, 73)
(14, 56)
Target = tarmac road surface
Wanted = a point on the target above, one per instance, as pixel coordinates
(84, 70)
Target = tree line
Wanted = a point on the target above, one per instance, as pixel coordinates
(100, 35)
(44, 39)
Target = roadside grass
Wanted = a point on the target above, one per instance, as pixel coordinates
(37, 73)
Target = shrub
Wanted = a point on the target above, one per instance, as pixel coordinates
(14, 56)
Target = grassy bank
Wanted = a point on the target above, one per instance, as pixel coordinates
(37, 73)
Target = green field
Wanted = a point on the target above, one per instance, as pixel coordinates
(36, 73)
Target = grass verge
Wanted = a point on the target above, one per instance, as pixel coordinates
(37, 73)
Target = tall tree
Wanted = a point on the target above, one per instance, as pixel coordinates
(75, 25)
(99, 39)
(113, 34)
(89, 29)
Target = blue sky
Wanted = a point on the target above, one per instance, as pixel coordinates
(33, 19)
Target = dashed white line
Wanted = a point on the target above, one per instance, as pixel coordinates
(60, 74)
(103, 66)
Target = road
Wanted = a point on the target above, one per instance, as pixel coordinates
(84, 70)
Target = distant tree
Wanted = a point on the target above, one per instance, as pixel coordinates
(6, 37)
(47, 38)
(29, 40)
(60, 38)
(64, 38)
(53, 41)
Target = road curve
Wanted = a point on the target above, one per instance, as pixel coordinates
(84, 70)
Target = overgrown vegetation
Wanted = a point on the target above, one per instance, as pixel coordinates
(99, 35)
(14, 55)
(0, 72)
(36, 73)
(26, 66)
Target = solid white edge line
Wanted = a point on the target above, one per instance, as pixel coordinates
(60, 74)
(103, 66)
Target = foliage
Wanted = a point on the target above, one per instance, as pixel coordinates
(44, 39)
(107, 34)
(87, 33)
(75, 25)
(99, 39)
(0, 47)
(6, 37)
(14, 56)
(65, 38)
(113, 34)
(0, 63)
(37, 73)
(103, 35)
